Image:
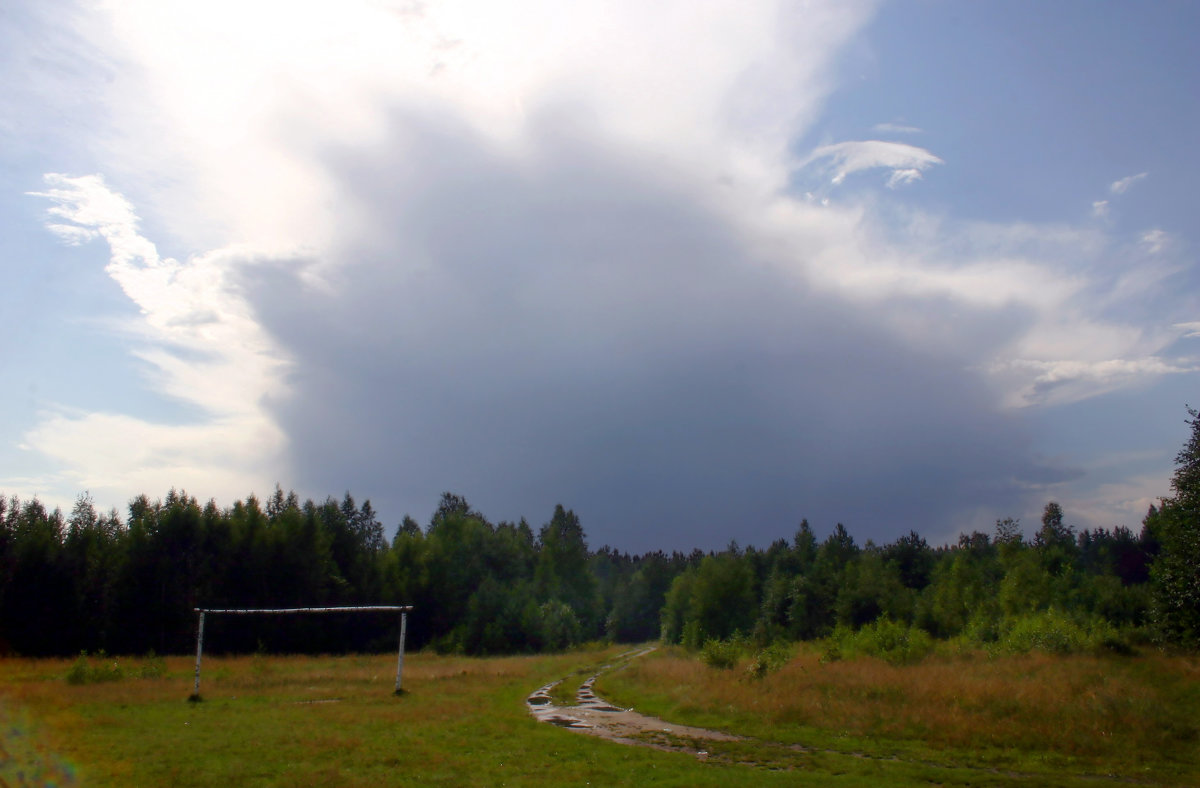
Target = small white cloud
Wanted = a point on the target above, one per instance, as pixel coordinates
(906, 162)
(1190, 330)
(894, 128)
(1100, 209)
(900, 177)
(1155, 240)
(1122, 186)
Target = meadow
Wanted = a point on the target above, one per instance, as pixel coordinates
(963, 719)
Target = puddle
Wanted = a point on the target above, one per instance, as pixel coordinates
(564, 722)
(595, 716)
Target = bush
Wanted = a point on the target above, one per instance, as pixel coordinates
(1054, 632)
(1048, 631)
(722, 654)
(82, 670)
(773, 657)
(883, 638)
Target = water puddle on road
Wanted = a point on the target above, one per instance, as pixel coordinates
(593, 715)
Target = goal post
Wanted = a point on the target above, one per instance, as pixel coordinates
(403, 610)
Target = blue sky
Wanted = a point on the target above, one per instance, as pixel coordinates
(695, 271)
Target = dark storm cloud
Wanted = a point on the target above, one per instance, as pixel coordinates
(571, 326)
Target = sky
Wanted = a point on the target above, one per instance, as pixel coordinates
(694, 270)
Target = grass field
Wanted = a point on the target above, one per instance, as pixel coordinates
(295, 721)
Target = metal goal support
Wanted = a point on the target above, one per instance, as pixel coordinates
(403, 610)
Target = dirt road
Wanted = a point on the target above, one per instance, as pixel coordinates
(593, 715)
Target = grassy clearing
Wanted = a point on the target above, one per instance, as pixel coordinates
(1057, 717)
(296, 721)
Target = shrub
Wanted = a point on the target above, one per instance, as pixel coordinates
(883, 638)
(82, 671)
(1048, 631)
(773, 657)
(722, 654)
(1054, 632)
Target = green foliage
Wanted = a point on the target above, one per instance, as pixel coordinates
(1176, 526)
(84, 671)
(712, 601)
(883, 638)
(769, 659)
(723, 654)
(484, 588)
(872, 587)
(559, 626)
(1054, 632)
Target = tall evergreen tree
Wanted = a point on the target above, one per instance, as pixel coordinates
(1176, 525)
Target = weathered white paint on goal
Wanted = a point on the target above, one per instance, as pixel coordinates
(403, 610)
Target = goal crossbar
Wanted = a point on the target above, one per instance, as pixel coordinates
(403, 610)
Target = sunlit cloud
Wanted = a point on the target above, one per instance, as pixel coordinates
(1122, 186)
(906, 162)
(201, 345)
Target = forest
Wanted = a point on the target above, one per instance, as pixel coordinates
(91, 581)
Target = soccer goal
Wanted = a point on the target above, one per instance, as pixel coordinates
(403, 610)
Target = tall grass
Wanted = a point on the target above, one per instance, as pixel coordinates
(1136, 717)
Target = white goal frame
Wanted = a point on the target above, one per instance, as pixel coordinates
(403, 610)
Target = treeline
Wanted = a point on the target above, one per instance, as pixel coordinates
(979, 587)
(90, 581)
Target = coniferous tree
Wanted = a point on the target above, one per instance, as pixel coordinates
(1176, 526)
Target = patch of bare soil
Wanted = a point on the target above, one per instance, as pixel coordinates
(593, 715)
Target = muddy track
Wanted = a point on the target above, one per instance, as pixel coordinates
(595, 716)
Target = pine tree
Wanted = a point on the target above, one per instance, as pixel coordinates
(1176, 526)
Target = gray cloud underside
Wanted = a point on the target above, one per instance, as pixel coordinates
(575, 328)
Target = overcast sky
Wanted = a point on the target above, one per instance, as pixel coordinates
(695, 270)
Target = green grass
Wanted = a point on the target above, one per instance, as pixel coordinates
(296, 721)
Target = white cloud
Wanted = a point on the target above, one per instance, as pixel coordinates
(1190, 330)
(233, 103)
(906, 162)
(1122, 186)
(1155, 240)
(1100, 208)
(203, 347)
(900, 177)
(1056, 382)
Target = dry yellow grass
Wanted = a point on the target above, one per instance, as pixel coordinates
(1108, 714)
